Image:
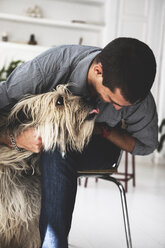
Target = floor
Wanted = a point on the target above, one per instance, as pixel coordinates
(98, 222)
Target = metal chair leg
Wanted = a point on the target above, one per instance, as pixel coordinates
(124, 208)
(133, 170)
(126, 172)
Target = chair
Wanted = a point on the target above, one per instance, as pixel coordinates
(125, 175)
(107, 175)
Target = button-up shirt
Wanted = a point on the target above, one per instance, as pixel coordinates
(70, 64)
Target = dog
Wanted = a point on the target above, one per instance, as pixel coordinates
(63, 121)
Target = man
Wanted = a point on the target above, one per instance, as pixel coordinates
(121, 76)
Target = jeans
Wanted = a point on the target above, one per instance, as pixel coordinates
(59, 186)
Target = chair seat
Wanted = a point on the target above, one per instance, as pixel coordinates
(97, 172)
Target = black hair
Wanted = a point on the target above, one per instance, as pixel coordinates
(128, 64)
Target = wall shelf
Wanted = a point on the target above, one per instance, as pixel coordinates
(51, 22)
(89, 2)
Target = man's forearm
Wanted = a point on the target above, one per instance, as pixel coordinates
(121, 139)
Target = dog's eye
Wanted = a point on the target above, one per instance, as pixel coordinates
(60, 101)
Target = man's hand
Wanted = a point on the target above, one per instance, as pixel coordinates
(102, 129)
(97, 129)
(117, 136)
(28, 140)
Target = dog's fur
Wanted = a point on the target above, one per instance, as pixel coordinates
(62, 120)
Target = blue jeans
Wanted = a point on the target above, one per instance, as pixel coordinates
(59, 186)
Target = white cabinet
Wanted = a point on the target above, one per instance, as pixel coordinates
(63, 22)
(13, 51)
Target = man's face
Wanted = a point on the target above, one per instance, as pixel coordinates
(95, 81)
(116, 98)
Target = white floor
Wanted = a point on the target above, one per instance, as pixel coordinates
(98, 221)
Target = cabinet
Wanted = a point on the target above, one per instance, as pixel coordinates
(63, 22)
(12, 51)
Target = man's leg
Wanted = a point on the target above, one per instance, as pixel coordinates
(59, 184)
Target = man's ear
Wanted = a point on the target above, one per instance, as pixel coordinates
(98, 69)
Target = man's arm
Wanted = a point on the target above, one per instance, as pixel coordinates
(140, 136)
(143, 126)
(117, 136)
(141, 129)
(25, 79)
(122, 139)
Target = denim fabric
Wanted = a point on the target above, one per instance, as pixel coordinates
(59, 186)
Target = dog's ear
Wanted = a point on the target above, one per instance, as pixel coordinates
(19, 118)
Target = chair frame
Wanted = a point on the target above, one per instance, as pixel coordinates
(126, 176)
(106, 175)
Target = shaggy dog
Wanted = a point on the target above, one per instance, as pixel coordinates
(62, 120)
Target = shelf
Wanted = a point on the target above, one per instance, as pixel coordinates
(50, 22)
(89, 2)
(15, 45)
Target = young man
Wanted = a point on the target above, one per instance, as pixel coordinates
(121, 76)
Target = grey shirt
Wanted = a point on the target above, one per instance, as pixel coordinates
(70, 64)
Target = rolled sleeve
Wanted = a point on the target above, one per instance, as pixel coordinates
(143, 126)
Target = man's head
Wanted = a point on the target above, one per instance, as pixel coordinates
(129, 67)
